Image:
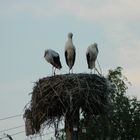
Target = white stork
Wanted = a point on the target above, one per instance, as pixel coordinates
(53, 58)
(70, 52)
(91, 55)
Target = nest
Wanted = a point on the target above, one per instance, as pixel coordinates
(58, 96)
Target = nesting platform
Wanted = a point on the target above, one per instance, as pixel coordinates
(58, 96)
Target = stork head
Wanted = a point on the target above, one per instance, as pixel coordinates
(70, 35)
(45, 53)
(95, 44)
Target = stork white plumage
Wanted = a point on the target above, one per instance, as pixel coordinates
(91, 55)
(53, 58)
(70, 52)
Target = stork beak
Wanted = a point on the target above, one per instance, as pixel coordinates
(44, 54)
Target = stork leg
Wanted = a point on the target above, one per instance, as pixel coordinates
(69, 71)
(90, 71)
(54, 71)
(97, 71)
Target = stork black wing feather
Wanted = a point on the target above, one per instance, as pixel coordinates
(74, 55)
(56, 60)
(66, 54)
(88, 60)
(97, 48)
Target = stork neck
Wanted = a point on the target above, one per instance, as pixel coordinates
(70, 39)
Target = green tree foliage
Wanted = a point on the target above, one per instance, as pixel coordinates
(123, 118)
(122, 121)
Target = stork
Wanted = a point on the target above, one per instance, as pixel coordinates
(53, 58)
(91, 55)
(70, 52)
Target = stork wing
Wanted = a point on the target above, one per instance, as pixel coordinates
(96, 48)
(57, 63)
(66, 54)
(88, 60)
(74, 55)
(45, 53)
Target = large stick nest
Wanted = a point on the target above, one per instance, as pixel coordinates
(57, 96)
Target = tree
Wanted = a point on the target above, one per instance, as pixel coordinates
(123, 118)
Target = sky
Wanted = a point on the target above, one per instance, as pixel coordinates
(28, 27)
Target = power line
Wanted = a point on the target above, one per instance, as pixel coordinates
(13, 134)
(17, 133)
(14, 116)
(26, 138)
(11, 128)
(10, 117)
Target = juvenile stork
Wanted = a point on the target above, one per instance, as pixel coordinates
(70, 52)
(53, 58)
(91, 55)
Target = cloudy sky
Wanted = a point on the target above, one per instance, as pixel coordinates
(28, 27)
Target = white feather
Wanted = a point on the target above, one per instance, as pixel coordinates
(93, 53)
(49, 56)
(70, 48)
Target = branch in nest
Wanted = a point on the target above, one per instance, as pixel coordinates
(59, 96)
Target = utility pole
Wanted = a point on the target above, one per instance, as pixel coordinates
(72, 125)
(84, 132)
(68, 127)
(76, 124)
(75, 132)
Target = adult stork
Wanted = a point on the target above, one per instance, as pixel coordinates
(70, 52)
(91, 55)
(53, 58)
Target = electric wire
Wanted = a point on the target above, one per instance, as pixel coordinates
(13, 134)
(10, 117)
(27, 138)
(12, 128)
